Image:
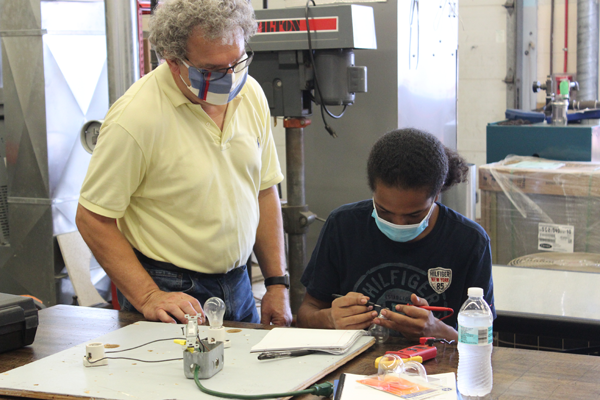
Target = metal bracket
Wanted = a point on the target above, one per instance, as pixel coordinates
(23, 32)
(510, 77)
(296, 122)
(297, 219)
(29, 200)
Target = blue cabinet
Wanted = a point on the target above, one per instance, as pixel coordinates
(565, 143)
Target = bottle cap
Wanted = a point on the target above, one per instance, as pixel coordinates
(475, 292)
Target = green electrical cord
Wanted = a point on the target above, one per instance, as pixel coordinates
(321, 389)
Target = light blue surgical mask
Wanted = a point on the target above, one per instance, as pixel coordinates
(401, 233)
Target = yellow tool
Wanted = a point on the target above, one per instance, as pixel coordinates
(418, 359)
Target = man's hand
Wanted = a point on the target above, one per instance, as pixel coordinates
(163, 306)
(416, 322)
(275, 306)
(352, 312)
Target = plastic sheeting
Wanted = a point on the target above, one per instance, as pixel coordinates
(532, 205)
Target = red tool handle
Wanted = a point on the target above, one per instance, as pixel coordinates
(426, 352)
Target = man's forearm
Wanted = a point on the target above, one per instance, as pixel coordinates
(114, 253)
(270, 252)
(269, 247)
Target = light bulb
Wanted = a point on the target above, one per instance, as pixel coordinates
(380, 333)
(214, 308)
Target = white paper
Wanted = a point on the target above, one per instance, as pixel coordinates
(328, 340)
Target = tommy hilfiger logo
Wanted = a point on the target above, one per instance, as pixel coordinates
(439, 279)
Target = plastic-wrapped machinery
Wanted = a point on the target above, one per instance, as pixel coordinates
(531, 205)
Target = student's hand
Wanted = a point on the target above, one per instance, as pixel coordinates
(351, 312)
(416, 322)
(163, 306)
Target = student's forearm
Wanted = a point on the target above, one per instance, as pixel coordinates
(447, 332)
(311, 316)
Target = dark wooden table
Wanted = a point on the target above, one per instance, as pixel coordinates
(518, 374)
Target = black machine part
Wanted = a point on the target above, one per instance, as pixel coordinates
(338, 77)
(18, 321)
(287, 79)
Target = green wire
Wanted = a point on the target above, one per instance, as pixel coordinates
(321, 389)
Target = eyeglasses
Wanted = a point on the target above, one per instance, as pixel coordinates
(222, 73)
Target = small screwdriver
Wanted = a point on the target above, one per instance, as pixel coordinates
(369, 303)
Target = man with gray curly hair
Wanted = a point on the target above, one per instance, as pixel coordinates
(186, 165)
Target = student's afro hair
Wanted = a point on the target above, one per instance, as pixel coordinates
(413, 159)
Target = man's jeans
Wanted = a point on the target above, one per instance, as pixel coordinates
(233, 287)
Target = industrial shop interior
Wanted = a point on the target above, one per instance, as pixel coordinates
(299, 199)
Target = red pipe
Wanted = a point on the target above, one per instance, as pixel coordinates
(141, 39)
(566, 33)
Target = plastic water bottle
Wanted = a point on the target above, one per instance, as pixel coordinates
(475, 345)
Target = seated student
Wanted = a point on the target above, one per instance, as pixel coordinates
(399, 247)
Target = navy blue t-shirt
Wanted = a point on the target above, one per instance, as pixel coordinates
(353, 255)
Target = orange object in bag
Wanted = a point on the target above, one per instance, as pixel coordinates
(394, 385)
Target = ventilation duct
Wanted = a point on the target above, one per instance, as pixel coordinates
(587, 49)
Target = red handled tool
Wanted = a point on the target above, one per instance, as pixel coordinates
(424, 349)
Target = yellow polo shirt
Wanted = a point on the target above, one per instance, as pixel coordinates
(183, 191)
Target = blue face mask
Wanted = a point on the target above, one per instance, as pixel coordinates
(401, 233)
(218, 92)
